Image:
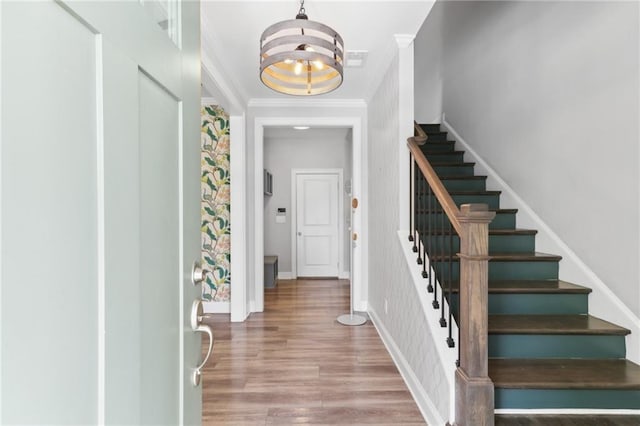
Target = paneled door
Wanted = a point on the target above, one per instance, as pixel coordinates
(317, 243)
(99, 212)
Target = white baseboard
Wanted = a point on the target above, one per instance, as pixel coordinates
(426, 406)
(216, 307)
(603, 302)
(361, 306)
(343, 275)
(285, 275)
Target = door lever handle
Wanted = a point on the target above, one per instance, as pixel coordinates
(197, 315)
(197, 372)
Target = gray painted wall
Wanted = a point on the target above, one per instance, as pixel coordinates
(390, 280)
(311, 149)
(548, 94)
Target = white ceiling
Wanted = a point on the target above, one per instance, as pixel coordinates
(231, 40)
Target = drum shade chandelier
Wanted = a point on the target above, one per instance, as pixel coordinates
(301, 57)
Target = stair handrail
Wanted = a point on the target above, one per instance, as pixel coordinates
(474, 391)
(449, 206)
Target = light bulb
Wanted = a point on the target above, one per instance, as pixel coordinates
(288, 61)
(298, 68)
(318, 64)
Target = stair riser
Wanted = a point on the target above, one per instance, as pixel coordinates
(445, 157)
(453, 170)
(492, 200)
(556, 346)
(501, 221)
(534, 304)
(465, 185)
(439, 147)
(517, 270)
(497, 243)
(566, 398)
(430, 128)
(454, 185)
(437, 137)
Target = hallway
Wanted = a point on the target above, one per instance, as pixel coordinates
(294, 364)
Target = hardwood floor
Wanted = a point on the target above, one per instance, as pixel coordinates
(294, 364)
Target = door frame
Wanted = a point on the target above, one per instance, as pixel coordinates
(359, 271)
(294, 211)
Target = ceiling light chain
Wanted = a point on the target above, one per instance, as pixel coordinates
(317, 50)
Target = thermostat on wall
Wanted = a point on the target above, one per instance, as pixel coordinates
(281, 215)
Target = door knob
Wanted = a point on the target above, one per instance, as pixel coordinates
(197, 315)
(198, 273)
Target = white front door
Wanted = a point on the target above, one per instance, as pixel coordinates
(99, 212)
(317, 215)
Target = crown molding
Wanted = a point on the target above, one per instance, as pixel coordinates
(306, 103)
(226, 86)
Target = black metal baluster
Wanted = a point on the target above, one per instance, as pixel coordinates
(450, 341)
(410, 195)
(443, 282)
(435, 303)
(416, 218)
(425, 216)
(430, 238)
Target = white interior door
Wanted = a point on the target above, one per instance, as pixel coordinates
(99, 212)
(317, 244)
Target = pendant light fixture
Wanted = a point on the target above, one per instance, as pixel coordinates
(301, 57)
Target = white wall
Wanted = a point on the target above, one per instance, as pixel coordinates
(311, 149)
(547, 93)
(390, 281)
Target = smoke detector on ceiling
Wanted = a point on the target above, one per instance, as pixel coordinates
(355, 58)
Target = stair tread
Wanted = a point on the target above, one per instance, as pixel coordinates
(450, 164)
(511, 257)
(531, 286)
(463, 192)
(610, 374)
(497, 211)
(445, 152)
(566, 420)
(463, 177)
(437, 143)
(515, 231)
(553, 324)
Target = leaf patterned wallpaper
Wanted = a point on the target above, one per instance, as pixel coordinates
(215, 202)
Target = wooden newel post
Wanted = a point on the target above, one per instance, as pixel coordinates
(474, 388)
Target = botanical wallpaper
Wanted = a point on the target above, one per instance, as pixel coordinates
(215, 201)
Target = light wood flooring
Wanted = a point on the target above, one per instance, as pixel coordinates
(294, 364)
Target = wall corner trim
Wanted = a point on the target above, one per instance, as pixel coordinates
(404, 40)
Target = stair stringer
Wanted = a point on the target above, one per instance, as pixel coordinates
(603, 302)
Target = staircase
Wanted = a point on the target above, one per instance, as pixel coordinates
(545, 350)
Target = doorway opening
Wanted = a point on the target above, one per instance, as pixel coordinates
(350, 262)
(307, 179)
